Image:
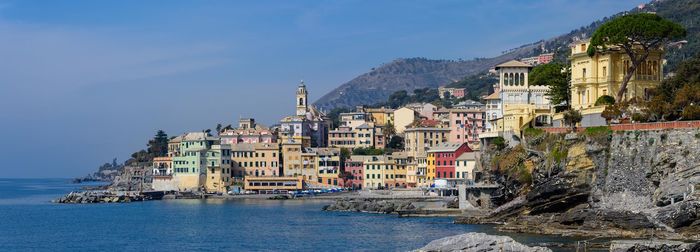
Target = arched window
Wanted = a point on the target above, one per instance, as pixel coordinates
(301, 101)
(517, 79)
(511, 79)
(505, 79)
(522, 79)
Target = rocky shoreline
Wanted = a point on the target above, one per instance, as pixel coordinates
(89, 197)
(370, 206)
(478, 242)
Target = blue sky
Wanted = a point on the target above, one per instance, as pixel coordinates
(82, 82)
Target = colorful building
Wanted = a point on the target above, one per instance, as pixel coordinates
(404, 117)
(328, 163)
(354, 175)
(218, 168)
(465, 124)
(257, 160)
(445, 155)
(417, 140)
(602, 74)
(403, 162)
(379, 172)
(308, 126)
(248, 132)
(465, 164)
(422, 172)
(189, 166)
(381, 116)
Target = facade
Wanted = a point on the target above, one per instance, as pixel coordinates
(256, 160)
(381, 116)
(422, 171)
(454, 92)
(353, 119)
(354, 168)
(162, 166)
(465, 164)
(494, 109)
(272, 184)
(404, 117)
(379, 172)
(602, 74)
(328, 163)
(425, 110)
(445, 156)
(342, 137)
(248, 132)
(218, 169)
(402, 161)
(465, 124)
(430, 169)
(419, 139)
(469, 104)
(189, 166)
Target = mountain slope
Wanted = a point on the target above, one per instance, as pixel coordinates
(409, 74)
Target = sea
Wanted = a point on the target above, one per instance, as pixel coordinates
(30, 222)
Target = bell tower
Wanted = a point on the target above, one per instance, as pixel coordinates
(301, 100)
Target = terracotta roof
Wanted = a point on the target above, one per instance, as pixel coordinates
(512, 63)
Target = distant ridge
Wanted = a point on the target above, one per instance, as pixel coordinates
(412, 73)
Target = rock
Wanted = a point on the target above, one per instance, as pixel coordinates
(680, 214)
(653, 245)
(370, 205)
(478, 242)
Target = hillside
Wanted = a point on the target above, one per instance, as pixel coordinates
(412, 73)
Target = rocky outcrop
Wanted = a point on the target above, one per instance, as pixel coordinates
(88, 197)
(627, 184)
(370, 205)
(478, 242)
(652, 245)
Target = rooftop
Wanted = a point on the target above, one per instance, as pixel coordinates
(446, 147)
(512, 63)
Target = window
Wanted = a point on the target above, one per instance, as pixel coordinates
(583, 47)
(605, 71)
(583, 73)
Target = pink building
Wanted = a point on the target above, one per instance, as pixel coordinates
(545, 58)
(458, 92)
(464, 124)
(353, 168)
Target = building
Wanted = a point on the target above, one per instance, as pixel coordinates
(248, 132)
(521, 104)
(353, 119)
(464, 166)
(465, 124)
(402, 161)
(430, 169)
(273, 184)
(417, 140)
(424, 109)
(342, 137)
(189, 166)
(422, 172)
(381, 116)
(453, 92)
(494, 110)
(328, 166)
(445, 156)
(308, 126)
(354, 175)
(404, 117)
(162, 166)
(539, 59)
(218, 169)
(602, 74)
(379, 172)
(256, 160)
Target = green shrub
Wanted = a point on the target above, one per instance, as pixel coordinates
(533, 132)
(605, 100)
(651, 141)
(599, 134)
(499, 143)
(664, 136)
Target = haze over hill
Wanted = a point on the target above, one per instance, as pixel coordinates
(412, 73)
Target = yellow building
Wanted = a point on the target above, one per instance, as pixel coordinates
(419, 139)
(255, 159)
(422, 171)
(464, 166)
(218, 169)
(602, 74)
(379, 172)
(430, 168)
(402, 161)
(291, 159)
(328, 163)
(381, 116)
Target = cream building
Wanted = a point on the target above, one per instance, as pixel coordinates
(602, 74)
(218, 168)
(419, 139)
(404, 117)
(464, 166)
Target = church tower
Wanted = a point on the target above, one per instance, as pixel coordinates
(301, 100)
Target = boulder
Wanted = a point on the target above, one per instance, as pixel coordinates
(478, 242)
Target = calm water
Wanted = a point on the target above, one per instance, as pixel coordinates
(28, 221)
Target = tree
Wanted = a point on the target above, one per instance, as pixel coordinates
(344, 153)
(611, 112)
(556, 76)
(605, 100)
(572, 117)
(396, 143)
(636, 34)
(158, 146)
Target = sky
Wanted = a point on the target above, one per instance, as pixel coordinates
(83, 81)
